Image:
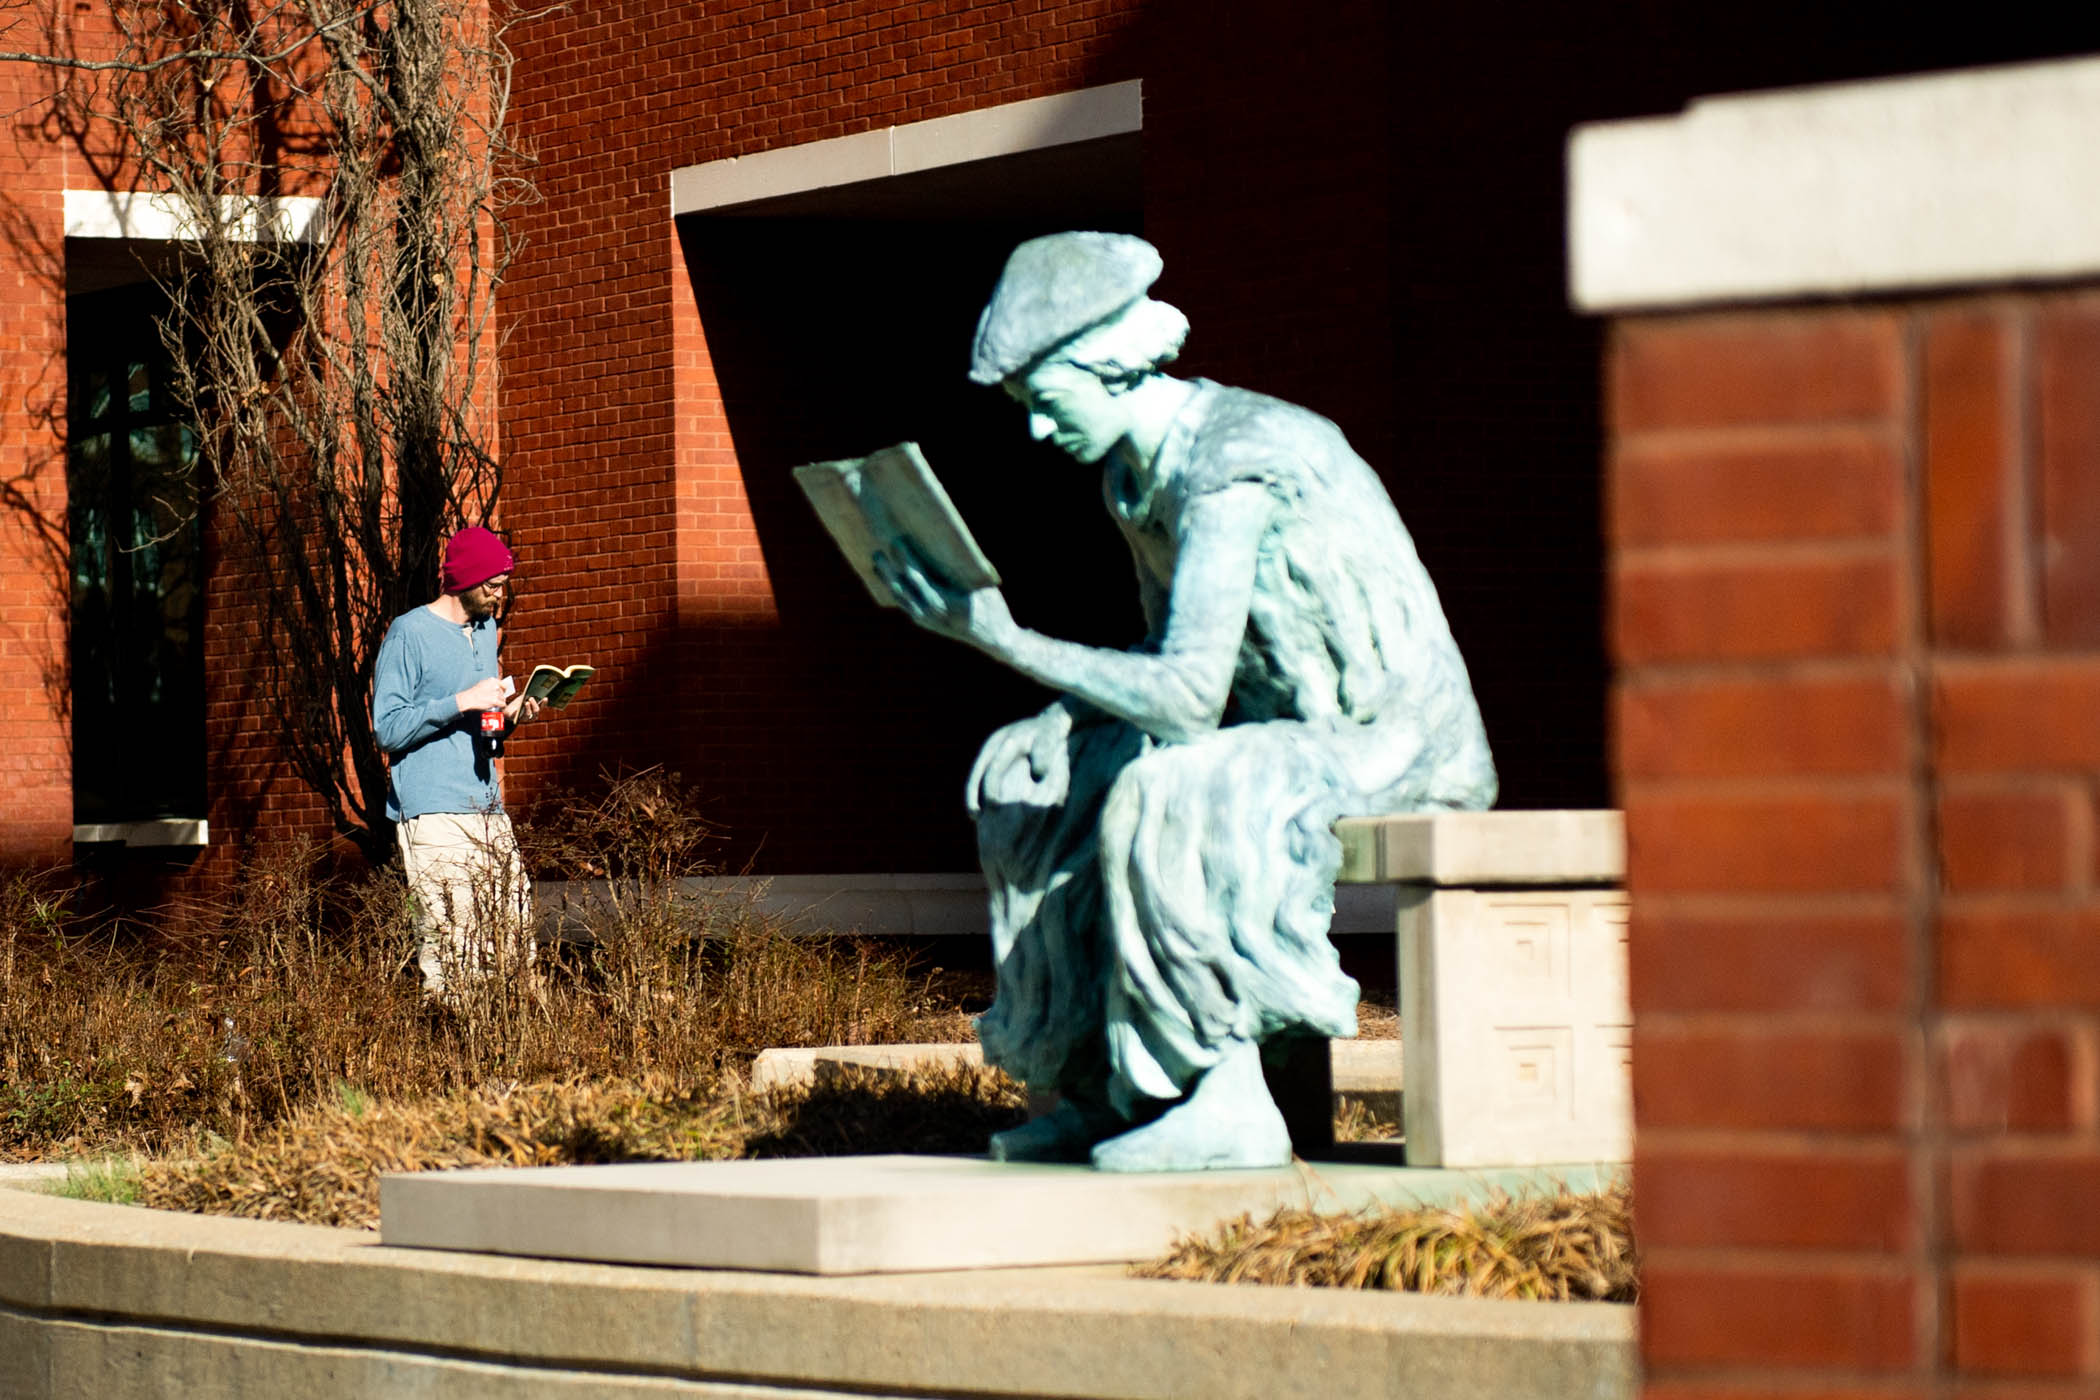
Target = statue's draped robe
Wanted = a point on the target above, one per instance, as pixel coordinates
(1151, 901)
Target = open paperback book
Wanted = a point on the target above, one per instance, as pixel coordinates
(870, 503)
(556, 686)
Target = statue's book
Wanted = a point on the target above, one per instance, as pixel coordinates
(868, 503)
(556, 686)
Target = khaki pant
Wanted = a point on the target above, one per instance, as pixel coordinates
(473, 896)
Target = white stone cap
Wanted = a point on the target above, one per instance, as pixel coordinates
(1964, 179)
(1485, 849)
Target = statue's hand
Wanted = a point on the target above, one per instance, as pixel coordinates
(979, 616)
(1026, 760)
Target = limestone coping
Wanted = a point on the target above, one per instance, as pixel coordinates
(1965, 179)
(1475, 850)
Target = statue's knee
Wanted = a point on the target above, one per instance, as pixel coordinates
(1144, 783)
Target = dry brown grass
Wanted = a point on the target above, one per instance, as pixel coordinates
(321, 1166)
(1357, 1121)
(1563, 1247)
(117, 1040)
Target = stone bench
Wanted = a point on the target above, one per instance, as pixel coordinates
(1512, 969)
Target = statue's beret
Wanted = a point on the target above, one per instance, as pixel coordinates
(1053, 288)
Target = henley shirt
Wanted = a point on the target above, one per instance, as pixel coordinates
(440, 760)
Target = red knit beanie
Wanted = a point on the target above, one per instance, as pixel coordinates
(473, 557)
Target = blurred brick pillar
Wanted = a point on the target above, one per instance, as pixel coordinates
(1858, 729)
(1856, 617)
(1769, 747)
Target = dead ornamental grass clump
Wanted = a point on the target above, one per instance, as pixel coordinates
(296, 981)
(322, 1166)
(1569, 1246)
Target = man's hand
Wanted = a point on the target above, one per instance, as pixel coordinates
(522, 709)
(485, 694)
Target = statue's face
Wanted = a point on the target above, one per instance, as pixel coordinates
(1071, 408)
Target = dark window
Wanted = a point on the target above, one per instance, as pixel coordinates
(137, 633)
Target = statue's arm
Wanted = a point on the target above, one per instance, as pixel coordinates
(1176, 692)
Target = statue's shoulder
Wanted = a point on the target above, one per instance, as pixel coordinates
(1245, 436)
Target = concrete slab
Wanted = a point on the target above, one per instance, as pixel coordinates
(896, 1214)
(1485, 849)
(1366, 1066)
(1369, 1072)
(1362, 1068)
(782, 1067)
(31, 1176)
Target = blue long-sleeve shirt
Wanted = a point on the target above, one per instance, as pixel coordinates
(441, 761)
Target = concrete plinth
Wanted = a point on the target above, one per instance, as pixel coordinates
(855, 1215)
(1513, 991)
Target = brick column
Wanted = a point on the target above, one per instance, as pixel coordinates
(1768, 746)
(1856, 616)
(2012, 484)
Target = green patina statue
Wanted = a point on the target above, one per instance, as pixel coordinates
(1159, 843)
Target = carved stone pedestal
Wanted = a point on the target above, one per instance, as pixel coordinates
(1513, 1002)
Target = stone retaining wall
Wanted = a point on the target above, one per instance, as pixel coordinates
(119, 1303)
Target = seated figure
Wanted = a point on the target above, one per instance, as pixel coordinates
(1159, 842)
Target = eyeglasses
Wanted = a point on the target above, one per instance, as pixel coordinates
(494, 585)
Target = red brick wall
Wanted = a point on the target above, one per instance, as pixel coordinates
(36, 758)
(1857, 729)
(647, 489)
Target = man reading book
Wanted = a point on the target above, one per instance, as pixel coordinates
(442, 713)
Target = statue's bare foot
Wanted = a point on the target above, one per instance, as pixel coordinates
(1228, 1120)
(1062, 1135)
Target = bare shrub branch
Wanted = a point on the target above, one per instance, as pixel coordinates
(340, 376)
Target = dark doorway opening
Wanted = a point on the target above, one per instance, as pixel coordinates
(839, 322)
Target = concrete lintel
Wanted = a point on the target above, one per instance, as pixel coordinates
(1966, 179)
(161, 218)
(1012, 128)
(161, 831)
